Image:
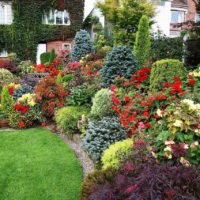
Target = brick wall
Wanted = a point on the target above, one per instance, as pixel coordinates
(59, 45)
(191, 15)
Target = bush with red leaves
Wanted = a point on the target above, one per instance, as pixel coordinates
(142, 178)
(50, 95)
(9, 65)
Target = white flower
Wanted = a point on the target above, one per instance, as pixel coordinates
(169, 142)
(194, 144)
(185, 162)
(185, 146)
(159, 113)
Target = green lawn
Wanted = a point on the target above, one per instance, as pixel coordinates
(37, 165)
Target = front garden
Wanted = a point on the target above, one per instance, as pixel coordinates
(137, 119)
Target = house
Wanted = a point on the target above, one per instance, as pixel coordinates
(38, 26)
(169, 15)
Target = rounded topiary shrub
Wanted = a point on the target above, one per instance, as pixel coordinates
(117, 153)
(67, 118)
(164, 71)
(102, 104)
(96, 177)
(101, 134)
(82, 46)
(6, 77)
(120, 61)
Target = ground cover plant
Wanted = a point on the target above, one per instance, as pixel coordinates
(37, 165)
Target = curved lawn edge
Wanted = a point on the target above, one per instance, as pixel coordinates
(37, 165)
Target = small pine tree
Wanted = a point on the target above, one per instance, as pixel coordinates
(6, 102)
(120, 61)
(143, 41)
(82, 46)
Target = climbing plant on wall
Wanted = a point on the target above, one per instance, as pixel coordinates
(27, 29)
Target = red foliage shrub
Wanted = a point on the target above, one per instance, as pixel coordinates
(9, 65)
(142, 178)
(50, 95)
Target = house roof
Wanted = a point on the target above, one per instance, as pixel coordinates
(179, 4)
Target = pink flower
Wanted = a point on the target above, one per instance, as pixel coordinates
(141, 125)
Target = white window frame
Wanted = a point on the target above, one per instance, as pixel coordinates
(7, 5)
(178, 9)
(46, 21)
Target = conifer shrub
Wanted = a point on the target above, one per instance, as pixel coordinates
(101, 134)
(119, 62)
(82, 46)
(102, 104)
(165, 71)
(6, 102)
(117, 153)
(142, 42)
(6, 77)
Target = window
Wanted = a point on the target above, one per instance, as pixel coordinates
(57, 17)
(177, 16)
(198, 17)
(4, 54)
(6, 16)
(66, 46)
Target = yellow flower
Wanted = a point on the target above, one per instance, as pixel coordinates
(178, 123)
(167, 155)
(168, 148)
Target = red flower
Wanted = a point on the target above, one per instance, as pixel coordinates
(21, 124)
(191, 82)
(167, 85)
(10, 90)
(132, 188)
(170, 193)
(126, 84)
(145, 114)
(148, 125)
(127, 98)
(43, 124)
(113, 87)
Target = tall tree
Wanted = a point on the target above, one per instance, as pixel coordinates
(143, 41)
(124, 15)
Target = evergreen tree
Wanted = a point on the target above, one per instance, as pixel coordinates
(82, 46)
(120, 61)
(143, 41)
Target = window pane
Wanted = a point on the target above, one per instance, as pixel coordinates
(50, 17)
(59, 17)
(9, 14)
(2, 14)
(198, 18)
(66, 17)
(177, 16)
